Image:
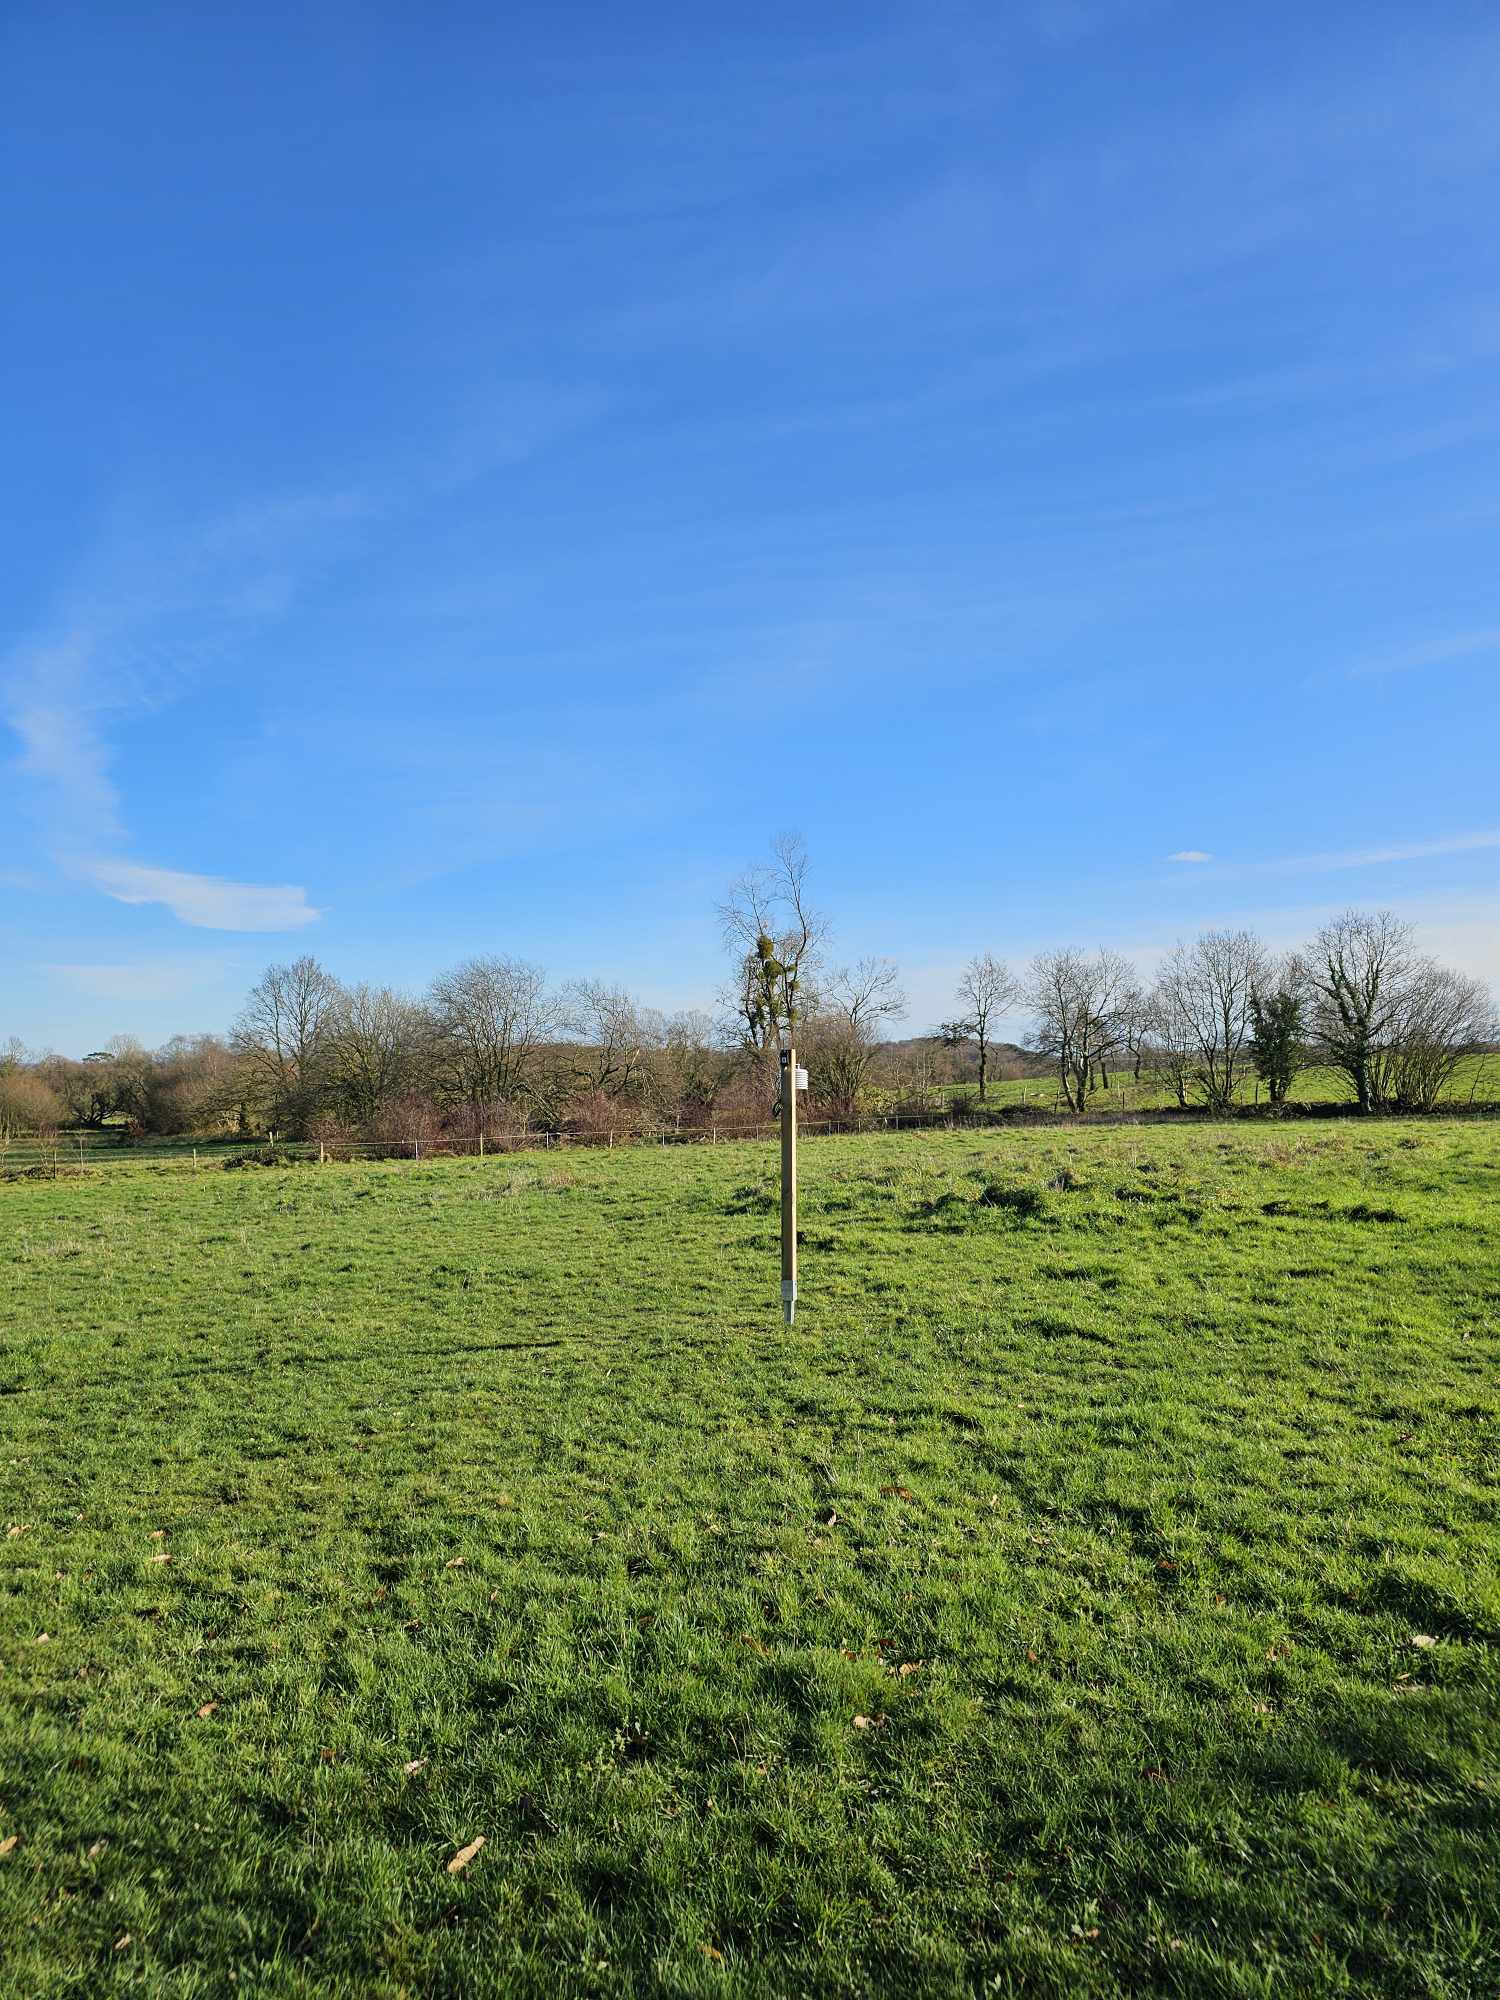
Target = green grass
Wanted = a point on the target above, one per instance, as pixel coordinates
(1476, 1080)
(1114, 1503)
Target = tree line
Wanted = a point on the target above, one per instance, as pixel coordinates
(1360, 1000)
(492, 1046)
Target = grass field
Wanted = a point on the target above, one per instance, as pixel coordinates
(1096, 1592)
(1475, 1080)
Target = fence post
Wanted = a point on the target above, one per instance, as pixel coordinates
(416, 1149)
(481, 1142)
(322, 1155)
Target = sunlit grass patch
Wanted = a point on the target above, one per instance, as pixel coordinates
(1095, 1592)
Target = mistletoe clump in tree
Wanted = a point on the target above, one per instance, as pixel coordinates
(774, 935)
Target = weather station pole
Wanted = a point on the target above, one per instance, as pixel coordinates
(792, 1080)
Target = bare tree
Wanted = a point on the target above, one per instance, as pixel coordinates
(856, 1000)
(493, 1016)
(28, 1104)
(200, 1086)
(774, 935)
(1137, 1022)
(985, 992)
(379, 1044)
(1440, 1017)
(1207, 989)
(616, 1037)
(1078, 1004)
(697, 1062)
(134, 1082)
(1171, 1044)
(1392, 1021)
(865, 994)
(85, 1086)
(282, 1033)
(1356, 968)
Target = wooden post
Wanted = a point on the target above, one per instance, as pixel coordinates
(788, 1184)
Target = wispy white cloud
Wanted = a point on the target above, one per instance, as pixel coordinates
(1333, 860)
(206, 901)
(61, 748)
(158, 603)
(1376, 857)
(142, 617)
(1434, 653)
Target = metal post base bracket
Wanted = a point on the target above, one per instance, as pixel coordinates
(789, 1299)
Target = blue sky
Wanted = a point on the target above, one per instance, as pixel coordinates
(475, 474)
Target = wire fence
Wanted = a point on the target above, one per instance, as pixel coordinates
(75, 1152)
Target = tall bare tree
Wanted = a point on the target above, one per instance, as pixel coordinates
(1442, 1016)
(1208, 989)
(985, 992)
(616, 1037)
(282, 1034)
(774, 934)
(1392, 1021)
(1356, 968)
(379, 1046)
(854, 1003)
(1170, 1045)
(493, 1016)
(1078, 1002)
